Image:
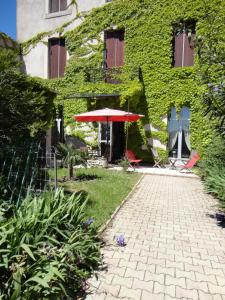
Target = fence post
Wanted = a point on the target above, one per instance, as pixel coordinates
(55, 170)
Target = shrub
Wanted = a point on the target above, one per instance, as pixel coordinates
(213, 171)
(47, 250)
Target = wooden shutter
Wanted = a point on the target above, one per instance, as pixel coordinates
(54, 6)
(183, 50)
(57, 58)
(178, 50)
(114, 42)
(189, 50)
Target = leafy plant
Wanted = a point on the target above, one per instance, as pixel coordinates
(72, 157)
(213, 171)
(47, 250)
(124, 163)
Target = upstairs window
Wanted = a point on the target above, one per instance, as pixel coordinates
(57, 5)
(183, 44)
(57, 57)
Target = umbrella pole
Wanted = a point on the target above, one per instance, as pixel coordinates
(107, 139)
(127, 129)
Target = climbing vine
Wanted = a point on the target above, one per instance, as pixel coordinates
(148, 29)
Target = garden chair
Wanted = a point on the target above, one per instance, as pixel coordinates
(132, 159)
(157, 160)
(190, 163)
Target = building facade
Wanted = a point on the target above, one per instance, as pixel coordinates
(97, 41)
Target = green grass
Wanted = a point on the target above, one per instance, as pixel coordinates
(105, 192)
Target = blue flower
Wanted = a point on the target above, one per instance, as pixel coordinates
(89, 221)
(120, 241)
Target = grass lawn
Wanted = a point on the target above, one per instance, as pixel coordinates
(106, 189)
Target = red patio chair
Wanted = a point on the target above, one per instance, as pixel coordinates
(129, 154)
(190, 163)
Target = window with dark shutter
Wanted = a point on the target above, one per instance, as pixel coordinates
(114, 48)
(57, 57)
(183, 44)
(57, 5)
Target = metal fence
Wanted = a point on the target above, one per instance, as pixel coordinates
(26, 170)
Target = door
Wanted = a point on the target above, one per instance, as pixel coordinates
(116, 140)
(179, 133)
(105, 139)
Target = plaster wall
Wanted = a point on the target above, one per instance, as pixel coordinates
(33, 17)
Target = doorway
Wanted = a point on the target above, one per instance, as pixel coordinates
(116, 140)
(179, 133)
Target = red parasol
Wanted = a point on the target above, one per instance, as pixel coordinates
(107, 115)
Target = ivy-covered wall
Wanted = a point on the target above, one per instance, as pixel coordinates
(148, 29)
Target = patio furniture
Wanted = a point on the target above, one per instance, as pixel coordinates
(157, 160)
(190, 163)
(130, 155)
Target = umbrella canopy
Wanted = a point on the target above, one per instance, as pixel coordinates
(107, 115)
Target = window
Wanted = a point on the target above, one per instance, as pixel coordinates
(57, 57)
(179, 133)
(57, 5)
(183, 44)
(114, 48)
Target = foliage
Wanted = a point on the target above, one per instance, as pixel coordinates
(211, 47)
(213, 171)
(124, 163)
(105, 192)
(26, 106)
(52, 261)
(72, 157)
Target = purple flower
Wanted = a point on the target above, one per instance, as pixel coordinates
(120, 241)
(89, 221)
(216, 89)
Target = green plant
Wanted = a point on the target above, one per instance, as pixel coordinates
(213, 169)
(47, 250)
(124, 163)
(72, 157)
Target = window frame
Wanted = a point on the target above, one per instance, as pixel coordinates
(58, 11)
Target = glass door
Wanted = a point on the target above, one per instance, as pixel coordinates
(104, 134)
(179, 133)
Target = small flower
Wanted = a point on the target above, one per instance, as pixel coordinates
(89, 221)
(121, 241)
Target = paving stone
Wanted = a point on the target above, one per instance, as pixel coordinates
(123, 281)
(154, 277)
(148, 296)
(110, 289)
(184, 293)
(197, 285)
(130, 293)
(143, 285)
(135, 273)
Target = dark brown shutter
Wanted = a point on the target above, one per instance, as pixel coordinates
(57, 58)
(114, 48)
(178, 49)
(54, 6)
(62, 55)
(63, 4)
(189, 50)
(183, 50)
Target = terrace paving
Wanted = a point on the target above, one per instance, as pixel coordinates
(175, 245)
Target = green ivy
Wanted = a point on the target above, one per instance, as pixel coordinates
(148, 29)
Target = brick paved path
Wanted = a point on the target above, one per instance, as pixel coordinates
(174, 250)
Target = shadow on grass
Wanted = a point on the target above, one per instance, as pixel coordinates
(219, 217)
